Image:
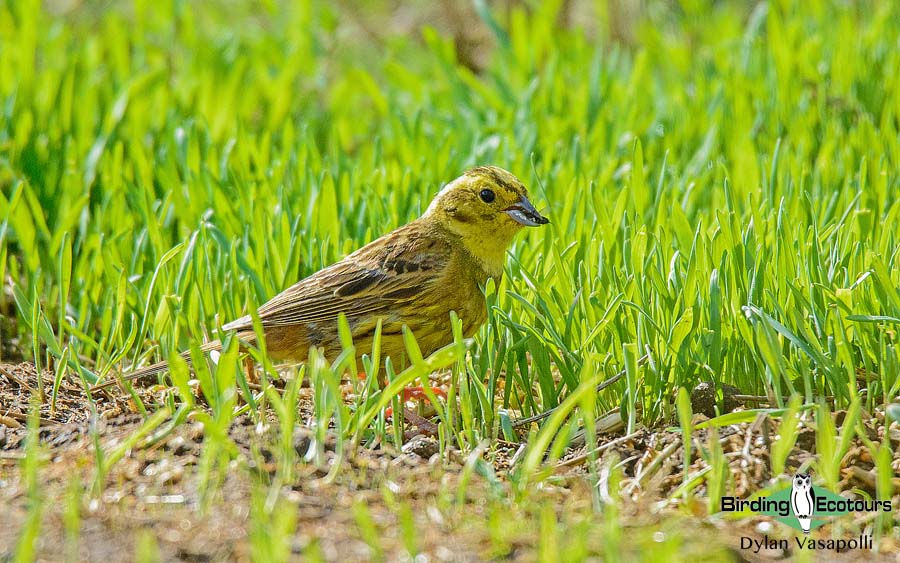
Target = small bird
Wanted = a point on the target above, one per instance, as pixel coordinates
(413, 276)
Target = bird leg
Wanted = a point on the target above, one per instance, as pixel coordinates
(412, 393)
(250, 371)
(418, 393)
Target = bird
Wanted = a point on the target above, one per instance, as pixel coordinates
(412, 277)
(802, 500)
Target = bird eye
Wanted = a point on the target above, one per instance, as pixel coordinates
(487, 196)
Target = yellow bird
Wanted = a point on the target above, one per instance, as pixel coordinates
(412, 276)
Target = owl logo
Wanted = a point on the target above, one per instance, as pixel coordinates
(802, 500)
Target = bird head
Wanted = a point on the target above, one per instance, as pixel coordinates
(485, 207)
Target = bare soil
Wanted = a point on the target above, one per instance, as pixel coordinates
(154, 490)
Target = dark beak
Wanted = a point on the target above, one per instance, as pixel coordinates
(523, 213)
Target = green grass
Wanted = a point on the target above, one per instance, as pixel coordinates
(723, 193)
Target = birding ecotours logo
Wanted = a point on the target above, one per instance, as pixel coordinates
(803, 506)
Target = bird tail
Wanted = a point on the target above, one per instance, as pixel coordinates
(159, 367)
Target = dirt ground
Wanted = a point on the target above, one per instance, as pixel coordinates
(154, 489)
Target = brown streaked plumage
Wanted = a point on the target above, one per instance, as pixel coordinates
(413, 276)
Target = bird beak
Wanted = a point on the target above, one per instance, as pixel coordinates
(523, 213)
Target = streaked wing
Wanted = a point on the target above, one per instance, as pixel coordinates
(372, 281)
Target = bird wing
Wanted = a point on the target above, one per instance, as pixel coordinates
(374, 280)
